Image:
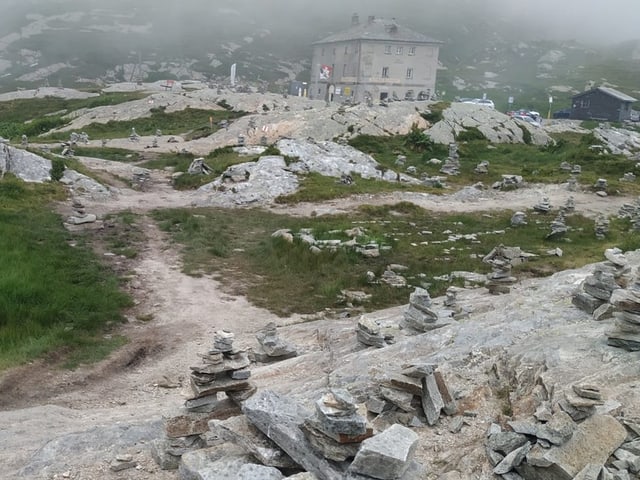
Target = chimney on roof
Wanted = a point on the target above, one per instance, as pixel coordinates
(355, 20)
(371, 19)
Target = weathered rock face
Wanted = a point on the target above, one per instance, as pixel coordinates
(494, 125)
(25, 165)
(334, 160)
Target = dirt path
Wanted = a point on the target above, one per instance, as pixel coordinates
(148, 376)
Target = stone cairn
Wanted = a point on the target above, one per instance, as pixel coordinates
(601, 227)
(198, 167)
(419, 390)
(419, 316)
(338, 427)
(632, 212)
(370, 333)
(543, 206)
(224, 369)
(628, 177)
(596, 290)
(500, 279)
(518, 219)
(572, 183)
(626, 330)
(451, 165)
(558, 227)
(482, 168)
(600, 187)
(271, 347)
(334, 442)
(564, 443)
(570, 204)
(509, 182)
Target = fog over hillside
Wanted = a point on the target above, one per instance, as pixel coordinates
(584, 20)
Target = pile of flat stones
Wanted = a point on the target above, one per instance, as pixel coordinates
(601, 227)
(601, 186)
(335, 442)
(451, 166)
(509, 182)
(500, 279)
(369, 332)
(518, 219)
(543, 206)
(558, 227)
(626, 330)
(338, 426)
(413, 396)
(570, 441)
(632, 212)
(596, 290)
(419, 316)
(80, 219)
(223, 369)
(271, 347)
(482, 167)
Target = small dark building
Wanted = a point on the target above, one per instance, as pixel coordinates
(602, 103)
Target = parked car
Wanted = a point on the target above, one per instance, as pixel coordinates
(526, 118)
(564, 113)
(485, 102)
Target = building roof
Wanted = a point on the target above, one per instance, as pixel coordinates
(611, 92)
(379, 29)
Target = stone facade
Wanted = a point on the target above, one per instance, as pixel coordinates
(374, 61)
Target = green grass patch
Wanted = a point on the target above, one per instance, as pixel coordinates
(286, 278)
(191, 122)
(316, 188)
(36, 116)
(52, 295)
(106, 153)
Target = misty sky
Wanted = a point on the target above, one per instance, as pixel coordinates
(584, 20)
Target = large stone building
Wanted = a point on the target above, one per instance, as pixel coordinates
(375, 60)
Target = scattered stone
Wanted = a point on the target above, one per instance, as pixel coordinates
(387, 455)
(272, 347)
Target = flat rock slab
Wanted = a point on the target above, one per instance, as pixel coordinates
(279, 418)
(387, 455)
(593, 441)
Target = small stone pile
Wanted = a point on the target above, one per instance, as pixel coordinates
(271, 347)
(581, 401)
(370, 333)
(518, 218)
(500, 279)
(482, 167)
(140, 177)
(632, 212)
(543, 206)
(572, 183)
(626, 331)
(419, 316)
(198, 167)
(223, 369)
(324, 442)
(81, 217)
(337, 428)
(560, 448)
(509, 182)
(601, 227)
(601, 186)
(596, 290)
(576, 170)
(628, 177)
(417, 390)
(558, 227)
(570, 204)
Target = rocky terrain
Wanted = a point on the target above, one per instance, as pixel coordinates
(470, 385)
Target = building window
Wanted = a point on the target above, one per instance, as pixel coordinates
(412, 51)
(346, 49)
(409, 73)
(385, 72)
(322, 52)
(334, 51)
(387, 49)
(398, 50)
(585, 103)
(344, 70)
